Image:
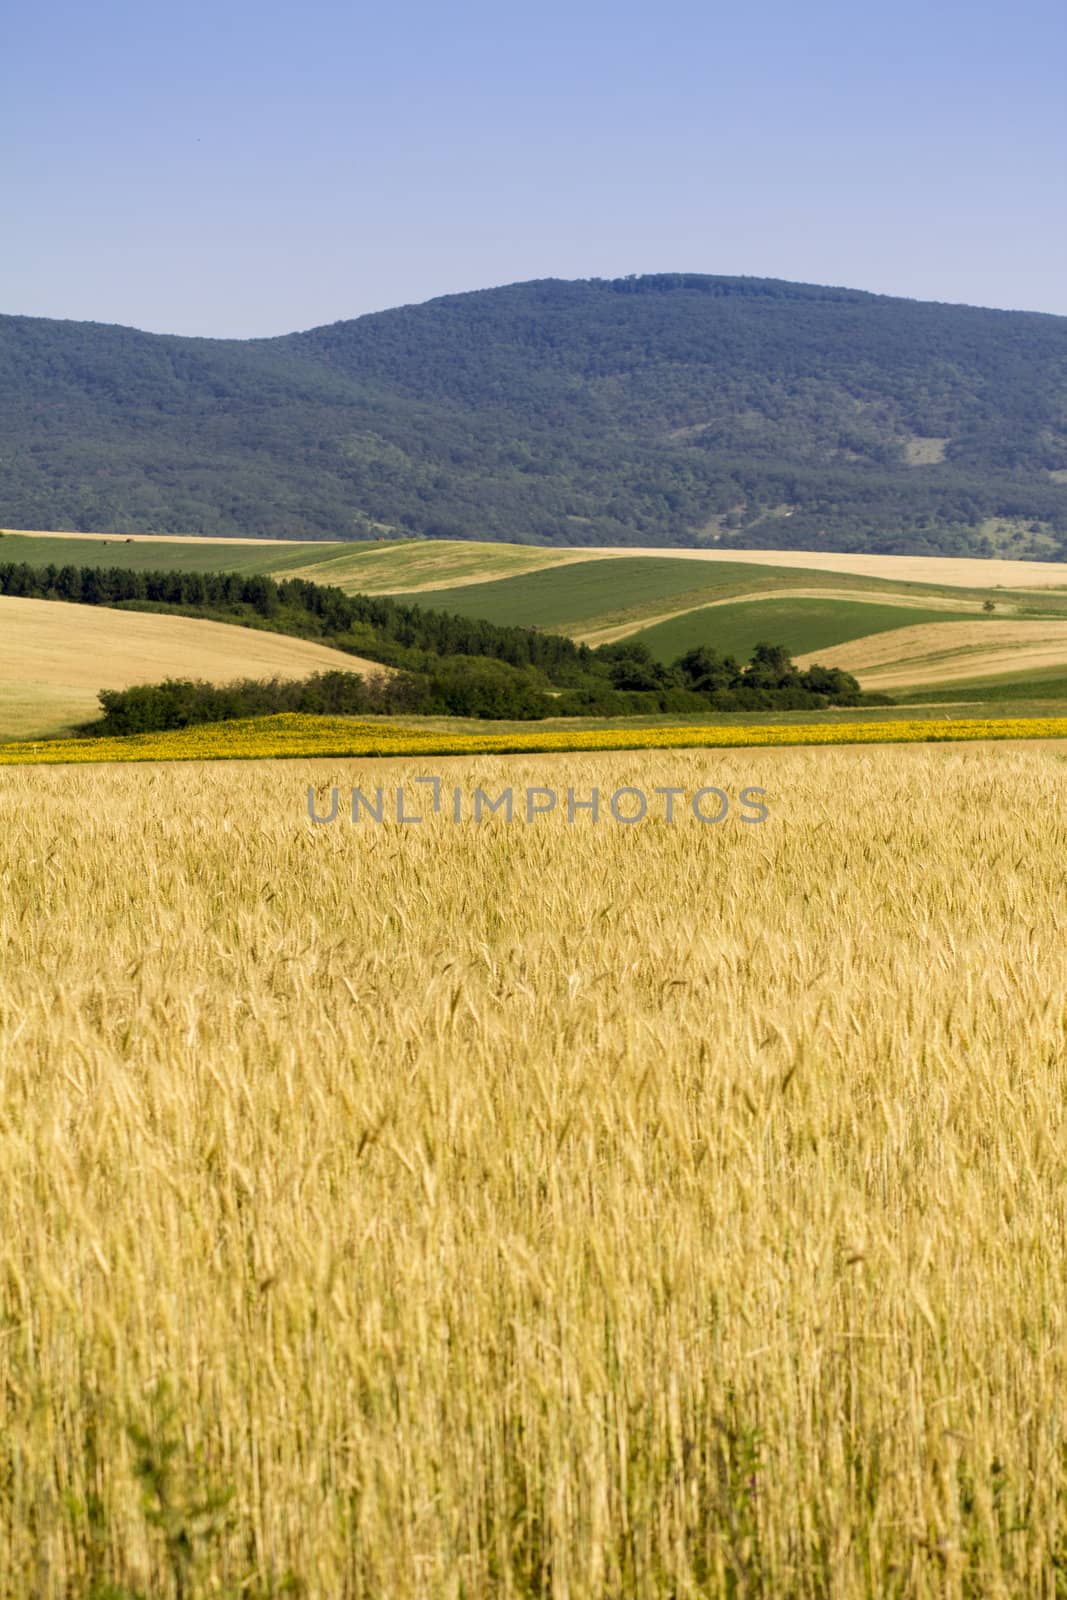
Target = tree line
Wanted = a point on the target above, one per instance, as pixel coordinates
(701, 680)
(368, 625)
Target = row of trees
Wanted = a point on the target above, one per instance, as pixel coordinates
(476, 687)
(769, 680)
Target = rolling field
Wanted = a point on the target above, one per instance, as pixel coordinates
(597, 599)
(964, 572)
(808, 601)
(418, 566)
(523, 1211)
(444, 562)
(933, 653)
(802, 624)
(54, 658)
(651, 599)
(916, 602)
(998, 689)
(587, 594)
(441, 562)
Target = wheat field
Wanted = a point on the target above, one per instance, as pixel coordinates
(968, 572)
(948, 652)
(505, 1210)
(54, 659)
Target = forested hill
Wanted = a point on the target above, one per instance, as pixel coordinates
(656, 410)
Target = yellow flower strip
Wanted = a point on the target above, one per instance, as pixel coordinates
(291, 734)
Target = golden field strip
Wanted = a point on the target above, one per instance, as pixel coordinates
(946, 652)
(292, 734)
(968, 572)
(501, 1211)
(55, 658)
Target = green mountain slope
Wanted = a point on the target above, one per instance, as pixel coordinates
(662, 410)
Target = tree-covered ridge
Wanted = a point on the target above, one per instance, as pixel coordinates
(654, 410)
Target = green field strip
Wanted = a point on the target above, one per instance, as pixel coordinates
(602, 592)
(1004, 687)
(801, 625)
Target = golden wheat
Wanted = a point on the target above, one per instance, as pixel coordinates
(967, 572)
(930, 653)
(55, 659)
(502, 1210)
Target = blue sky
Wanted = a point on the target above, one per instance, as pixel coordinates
(239, 168)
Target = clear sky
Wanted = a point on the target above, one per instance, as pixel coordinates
(245, 167)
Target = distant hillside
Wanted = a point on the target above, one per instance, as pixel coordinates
(660, 410)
